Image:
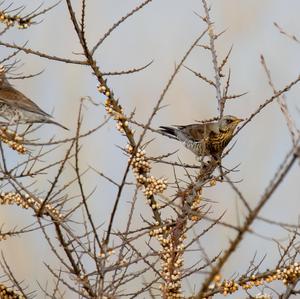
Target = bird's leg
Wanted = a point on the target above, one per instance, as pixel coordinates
(217, 159)
(221, 172)
(203, 164)
(219, 162)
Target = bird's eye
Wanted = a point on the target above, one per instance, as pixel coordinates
(229, 121)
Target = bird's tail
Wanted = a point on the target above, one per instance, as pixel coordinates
(50, 121)
(169, 131)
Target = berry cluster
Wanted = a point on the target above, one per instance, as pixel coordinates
(139, 163)
(10, 21)
(11, 198)
(171, 264)
(8, 293)
(141, 168)
(287, 275)
(229, 287)
(171, 259)
(253, 282)
(115, 110)
(12, 140)
(154, 186)
(159, 231)
(25, 202)
(117, 115)
(195, 214)
(104, 90)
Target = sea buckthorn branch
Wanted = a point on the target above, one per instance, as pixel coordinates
(13, 140)
(140, 164)
(4, 235)
(267, 102)
(191, 195)
(13, 20)
(151, 185)
(287, 275)
(21, 22)
(172, 237)
(289, 35)
(281, 100)
(171, 240)
(116, 111)
(26, 201)
(138, 160)
(218, 67)
(212, 37)
(279, 176)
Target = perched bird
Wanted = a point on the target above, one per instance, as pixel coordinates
(207, 138)
(17, 108)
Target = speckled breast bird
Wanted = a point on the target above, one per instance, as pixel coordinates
(18, 109)
(207, 138)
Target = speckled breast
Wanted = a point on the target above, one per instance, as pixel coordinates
(217, 142)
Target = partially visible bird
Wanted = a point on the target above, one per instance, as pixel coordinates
(207, 138)
(18, 109)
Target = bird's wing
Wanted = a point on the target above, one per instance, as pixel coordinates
(15, 98)
(194, 132)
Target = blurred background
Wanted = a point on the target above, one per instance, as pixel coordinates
(162, 32)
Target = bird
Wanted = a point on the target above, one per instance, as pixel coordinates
(205, 138)
(19, 109)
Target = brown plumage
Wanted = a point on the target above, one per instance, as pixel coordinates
(205, 139)
(17, 108)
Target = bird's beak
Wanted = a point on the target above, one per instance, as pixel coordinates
(238, 120)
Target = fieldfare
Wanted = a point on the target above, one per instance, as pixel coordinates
(17, 108)
(207, 138)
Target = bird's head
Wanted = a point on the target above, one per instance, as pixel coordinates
(229, 123)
